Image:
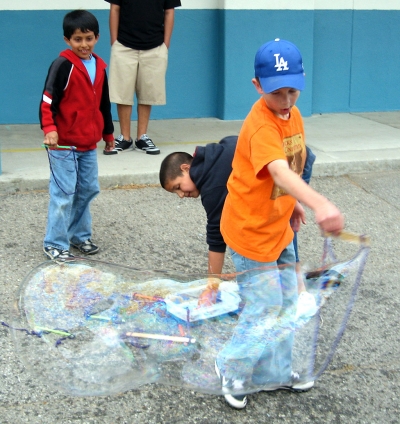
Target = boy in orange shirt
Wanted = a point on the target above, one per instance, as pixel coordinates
(264, 191)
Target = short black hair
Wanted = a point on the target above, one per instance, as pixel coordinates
(171, 166)
(80, 19)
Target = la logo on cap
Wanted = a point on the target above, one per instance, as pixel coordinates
(281, 64)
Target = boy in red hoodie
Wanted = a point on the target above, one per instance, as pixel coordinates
(75, 111)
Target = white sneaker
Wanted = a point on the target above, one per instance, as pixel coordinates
(236, 401)
(297, 385)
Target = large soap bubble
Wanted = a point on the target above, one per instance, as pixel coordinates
(95, 328)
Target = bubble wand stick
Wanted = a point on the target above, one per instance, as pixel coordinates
(162, 337)
(46, 146)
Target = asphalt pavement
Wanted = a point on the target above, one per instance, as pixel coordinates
(138, 224)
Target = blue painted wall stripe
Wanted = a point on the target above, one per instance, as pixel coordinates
(349, 58)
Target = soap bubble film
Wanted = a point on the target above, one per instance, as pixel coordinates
(90, 328)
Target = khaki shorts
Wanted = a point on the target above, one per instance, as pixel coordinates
(138, 71)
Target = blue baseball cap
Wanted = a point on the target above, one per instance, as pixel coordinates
(278, 64)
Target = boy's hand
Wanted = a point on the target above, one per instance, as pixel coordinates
(51, 139)
(209, 295)
(329, 218)
(298, 217)
(110, 145)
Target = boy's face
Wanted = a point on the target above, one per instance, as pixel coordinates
(280, 101)
(183, 185)
(82, 43)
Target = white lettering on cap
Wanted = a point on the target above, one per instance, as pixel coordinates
(280, 64)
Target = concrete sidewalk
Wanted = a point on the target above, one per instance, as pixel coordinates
(343, 144)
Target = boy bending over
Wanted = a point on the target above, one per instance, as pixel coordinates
(205, 173)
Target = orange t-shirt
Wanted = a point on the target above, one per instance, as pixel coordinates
(255, 219)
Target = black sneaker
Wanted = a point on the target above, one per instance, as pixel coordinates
(236, 401)
(87, 247)
(121, 144)
(146, 145)
(59, 255)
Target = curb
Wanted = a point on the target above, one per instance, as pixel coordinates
(333, 169)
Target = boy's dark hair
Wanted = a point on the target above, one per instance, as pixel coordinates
(80, 19)
(171, 166)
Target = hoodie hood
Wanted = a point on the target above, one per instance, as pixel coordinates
(215, 156)
(77, 61)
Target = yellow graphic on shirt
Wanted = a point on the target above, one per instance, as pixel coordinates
(295, 152)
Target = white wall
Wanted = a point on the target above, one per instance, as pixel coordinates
(213, 4)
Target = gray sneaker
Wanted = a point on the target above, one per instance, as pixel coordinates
(146, 145)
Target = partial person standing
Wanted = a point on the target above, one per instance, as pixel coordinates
(75, 111)
(140, 32)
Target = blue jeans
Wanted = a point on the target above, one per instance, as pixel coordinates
(307, 172)
(261, 345)
(73, 185)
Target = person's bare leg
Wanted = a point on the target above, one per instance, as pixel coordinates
(124, 115)
(143, 112)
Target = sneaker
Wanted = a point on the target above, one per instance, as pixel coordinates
(121, 144)
(59, 255)
(297, 385)
(146, 145)
(236, 401)
(87, 247)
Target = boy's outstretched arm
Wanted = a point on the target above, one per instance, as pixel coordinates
(327, 215)
(215, 262)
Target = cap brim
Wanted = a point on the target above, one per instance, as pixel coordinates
(282, 81)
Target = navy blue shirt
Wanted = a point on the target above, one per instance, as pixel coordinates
(210, 170)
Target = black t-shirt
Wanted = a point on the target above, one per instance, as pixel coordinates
(141, 22)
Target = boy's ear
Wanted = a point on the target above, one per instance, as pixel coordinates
(185, 167)
(257, 85)
(67, 41)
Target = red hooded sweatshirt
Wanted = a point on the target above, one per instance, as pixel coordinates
(74, 107)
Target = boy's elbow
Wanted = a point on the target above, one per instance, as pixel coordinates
(277, 169)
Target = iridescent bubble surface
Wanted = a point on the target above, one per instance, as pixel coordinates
(94, 328)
